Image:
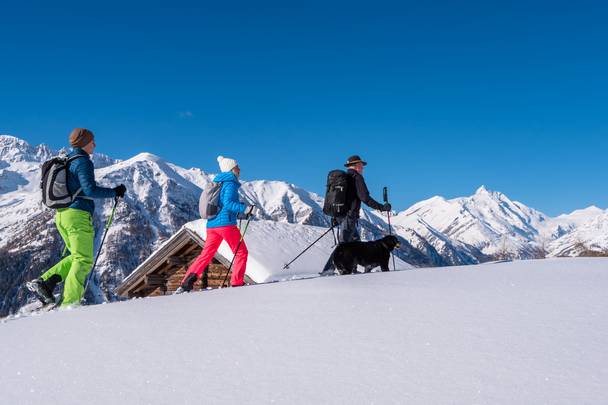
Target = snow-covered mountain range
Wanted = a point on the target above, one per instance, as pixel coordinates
(162, 197)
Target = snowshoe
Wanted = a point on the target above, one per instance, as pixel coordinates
(180, 290)
(39, 288)
(49, 307)
(187, 285)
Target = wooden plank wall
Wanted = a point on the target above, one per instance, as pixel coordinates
(215, 275)
(173, 270)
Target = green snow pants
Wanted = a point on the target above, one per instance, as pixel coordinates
(76, 229)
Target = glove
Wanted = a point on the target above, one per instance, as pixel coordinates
(386, 207)
(250, 210)
(120, 191)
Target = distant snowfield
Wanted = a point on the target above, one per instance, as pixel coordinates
(526, 332)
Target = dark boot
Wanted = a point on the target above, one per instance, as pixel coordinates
(187, 285)
(52, 282)
(41, 290)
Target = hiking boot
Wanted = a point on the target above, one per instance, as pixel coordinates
(41, 290)
(187, 285)
(52, 282)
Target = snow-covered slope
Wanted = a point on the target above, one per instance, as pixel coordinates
(530, 332)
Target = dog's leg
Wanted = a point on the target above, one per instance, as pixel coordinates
(343, 267)
(350, 267)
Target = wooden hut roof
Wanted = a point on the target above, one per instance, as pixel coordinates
(172, 253)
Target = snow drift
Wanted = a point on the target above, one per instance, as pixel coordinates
(521, 332)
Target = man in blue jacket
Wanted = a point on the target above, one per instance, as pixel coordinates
(75, 225)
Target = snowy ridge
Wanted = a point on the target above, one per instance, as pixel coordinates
(589, 236)
(285, 202)
(490, 225)
(482, 221)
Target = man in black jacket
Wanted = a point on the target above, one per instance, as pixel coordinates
(357, 192)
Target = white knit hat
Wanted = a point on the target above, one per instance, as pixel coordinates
(226, 164)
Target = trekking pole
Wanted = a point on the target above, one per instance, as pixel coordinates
(390, 229)
(309, 246)
(103, 238)
(236, 250)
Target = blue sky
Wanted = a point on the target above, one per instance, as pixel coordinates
(439, 98)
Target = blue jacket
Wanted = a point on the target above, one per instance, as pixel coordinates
(82, 175)
(229, 201)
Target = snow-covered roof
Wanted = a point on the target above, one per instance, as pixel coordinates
(175, 244)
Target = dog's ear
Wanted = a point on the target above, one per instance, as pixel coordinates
(383, 242)
(389, 242)
(395, 241)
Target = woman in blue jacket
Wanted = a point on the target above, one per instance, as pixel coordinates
(223, 227)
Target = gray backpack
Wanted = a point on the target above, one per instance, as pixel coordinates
(209, 204)
(54, 182)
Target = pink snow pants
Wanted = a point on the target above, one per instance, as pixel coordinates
(215, 236)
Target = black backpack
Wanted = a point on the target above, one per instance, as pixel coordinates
(337, 194)
(54, 182)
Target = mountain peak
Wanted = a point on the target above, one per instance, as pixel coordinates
(9, 141)
(145, 156)
(482, 190)
(593, 209)
(15, 149)
(8, 138)
(588, 212)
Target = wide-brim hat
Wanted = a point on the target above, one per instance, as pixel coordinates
(353, 160)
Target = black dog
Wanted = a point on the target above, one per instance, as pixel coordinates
(367, 254)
